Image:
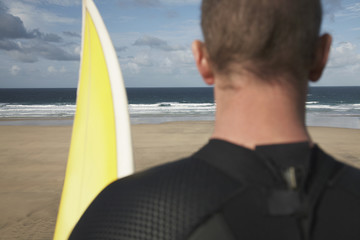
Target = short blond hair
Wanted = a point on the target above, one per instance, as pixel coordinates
(266, 36)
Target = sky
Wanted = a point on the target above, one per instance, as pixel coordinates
(40, 42)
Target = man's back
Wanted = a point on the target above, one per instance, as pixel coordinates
(225, 191)
(259, 177)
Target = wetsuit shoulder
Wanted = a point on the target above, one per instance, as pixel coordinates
(338, 213)
(166, 202)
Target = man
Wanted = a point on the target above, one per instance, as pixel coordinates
(260, 176)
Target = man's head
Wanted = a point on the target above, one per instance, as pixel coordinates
(261, 36)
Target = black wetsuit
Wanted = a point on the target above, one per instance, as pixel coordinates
(227, 192)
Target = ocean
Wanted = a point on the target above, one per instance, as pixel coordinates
(326, 106)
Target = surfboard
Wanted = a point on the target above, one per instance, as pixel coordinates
(101, 149)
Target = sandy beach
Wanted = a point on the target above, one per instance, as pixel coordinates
(33, 161)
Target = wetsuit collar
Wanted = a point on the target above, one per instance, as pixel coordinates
(264, 165)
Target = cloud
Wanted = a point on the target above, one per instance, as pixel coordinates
(34, 14)
(181, 2)
(77, 50)
(158, 62)
(172, 14)
(183, 57)
(131, 67)
(14, 70)
(23, 56)
(62, 69)
(31, 51)
(51, 69)
(9, 45)
(338, 8)
(121, 49)
(64, 3)
(351, 11)
(28, 45)
(52, 52)
(48, 37)
(152, 42)
(330, 7)
(354, 8)
(345, 56)
(156, 3)
(11, 26)
(143, 60)
(156, 43)
(72, 34)
(142, 3)
(147, 3)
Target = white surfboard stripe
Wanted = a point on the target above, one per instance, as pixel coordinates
(124, 152)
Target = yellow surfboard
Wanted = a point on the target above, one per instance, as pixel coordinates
(101, 149)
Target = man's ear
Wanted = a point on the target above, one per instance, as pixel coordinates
(321, 57)
(202, 62)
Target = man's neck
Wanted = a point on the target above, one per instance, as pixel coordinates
(255, 114)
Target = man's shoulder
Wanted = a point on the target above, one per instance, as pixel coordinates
(163, 202)
(338, 212)
(190, 172)
(189, 176)
(347, 179)
(345, 176)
